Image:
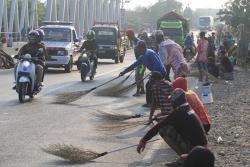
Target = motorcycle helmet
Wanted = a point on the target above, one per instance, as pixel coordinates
(33, 37)
(90, 35)
(41, 34)
(159, 36)
(143, 36)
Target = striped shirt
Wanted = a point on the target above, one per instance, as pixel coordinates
(160, 93)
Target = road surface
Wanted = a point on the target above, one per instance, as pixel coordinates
(26, 128)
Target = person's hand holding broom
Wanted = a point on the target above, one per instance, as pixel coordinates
(141, 146)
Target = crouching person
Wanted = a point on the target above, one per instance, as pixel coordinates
(181, 130)
(194, 102)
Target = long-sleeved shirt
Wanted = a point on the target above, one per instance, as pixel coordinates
(186, 123)
(150, 60)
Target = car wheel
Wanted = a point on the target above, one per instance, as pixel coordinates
(69, 66)
(117, 59)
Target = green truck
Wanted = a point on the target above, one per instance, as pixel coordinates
(174, 26)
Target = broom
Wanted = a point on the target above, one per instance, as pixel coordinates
(116, 117)
(127, 89)
(109, 91)
(65, 98)
(131, 86)
(79, 155)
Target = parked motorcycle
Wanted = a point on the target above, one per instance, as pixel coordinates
(86, 65)
(26, 78)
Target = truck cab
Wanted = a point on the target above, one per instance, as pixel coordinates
(173, 30)
(61, 41)
(109, 42)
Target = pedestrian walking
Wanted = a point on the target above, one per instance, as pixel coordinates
(202, 57)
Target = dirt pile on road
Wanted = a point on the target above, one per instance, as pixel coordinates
(229, 138)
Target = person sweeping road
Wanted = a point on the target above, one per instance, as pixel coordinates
(151, 61)
(194, 102)
(181, 130)
(161, 90)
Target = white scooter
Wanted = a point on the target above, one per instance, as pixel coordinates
(26, 77)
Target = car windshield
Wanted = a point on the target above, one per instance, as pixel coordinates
(57, 34)
(172, 32)
(107, 35)
(204, 21)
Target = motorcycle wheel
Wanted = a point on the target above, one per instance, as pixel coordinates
(22, 92)
(83, 73)
(69, 66)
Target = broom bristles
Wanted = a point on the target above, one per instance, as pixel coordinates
(115, 117)
(65, 98)
(71, 153)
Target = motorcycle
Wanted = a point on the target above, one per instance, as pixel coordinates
(188, 54)
(86, 66)
(26, 77)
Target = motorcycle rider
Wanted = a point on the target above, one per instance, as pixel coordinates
(90, 46)
(189, 44)
(36, 50)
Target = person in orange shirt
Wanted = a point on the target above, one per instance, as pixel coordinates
(194, 101)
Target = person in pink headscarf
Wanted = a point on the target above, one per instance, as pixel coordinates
(176, 59)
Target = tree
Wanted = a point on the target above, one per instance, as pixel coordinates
(152, 14)
(236, 12)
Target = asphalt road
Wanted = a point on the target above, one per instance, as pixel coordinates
(26, 128)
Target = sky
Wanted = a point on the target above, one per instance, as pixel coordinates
(193, 3)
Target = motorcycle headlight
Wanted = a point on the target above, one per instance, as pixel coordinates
(26, 64)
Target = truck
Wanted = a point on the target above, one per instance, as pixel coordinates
(206, 23)
(174, 26)
(110, 43)
(61, 41)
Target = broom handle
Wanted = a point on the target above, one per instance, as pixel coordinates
(120, 149)
(136, 82)
(105, 83)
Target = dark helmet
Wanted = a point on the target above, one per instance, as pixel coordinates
(90, 35)
(41, 34)
(33, 36)
(159, 36)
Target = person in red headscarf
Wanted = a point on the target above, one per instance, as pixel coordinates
(194, 101)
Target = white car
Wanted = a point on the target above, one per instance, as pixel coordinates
(61, 41)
